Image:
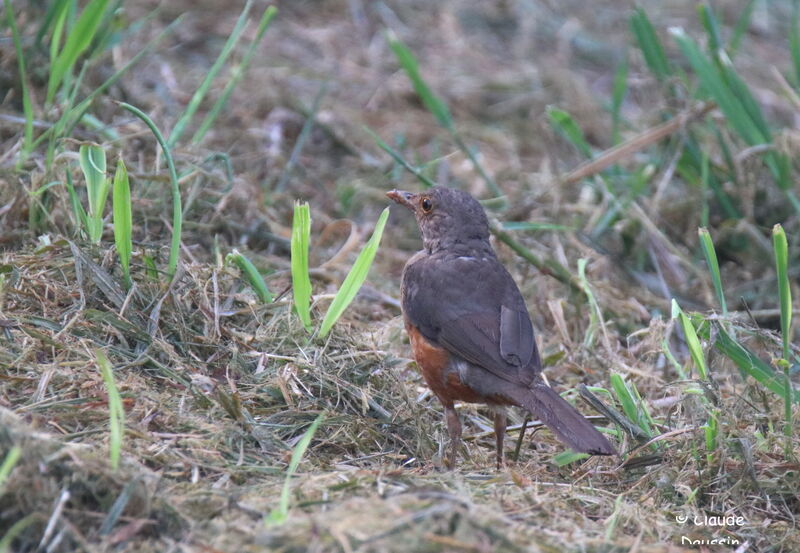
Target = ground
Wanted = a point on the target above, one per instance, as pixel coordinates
(218, 387)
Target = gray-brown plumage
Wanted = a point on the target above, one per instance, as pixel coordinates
(469, 328)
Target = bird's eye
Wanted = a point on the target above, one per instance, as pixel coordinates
(426, 205)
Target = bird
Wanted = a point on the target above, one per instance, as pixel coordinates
(469, 328)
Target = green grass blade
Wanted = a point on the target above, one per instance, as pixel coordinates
(718, 89)
(692, 341)
(649, 44)
(629, 403)
(77, 208)
(563, 123)
(300, 143)
(93, 165)
(73, 116)
(301, 281)
(709, 21)
(16, 529)
(280, 514)
(534, 226)
(251, 275)
(437, 106)
(781, 248)
(9, 462)
(236, 75)
(177, 212)
(794, 42)
(710, 254)
(568, 457)
(711, 431)
(54, 11)
(27, 106)
(741, 28)
(79, 39)
(749, 363)
(202, 90)
(115, 410)
(409, 63)
(355, 278)
(618, 92)
(595, 319)
(428, 183)
(123, 219)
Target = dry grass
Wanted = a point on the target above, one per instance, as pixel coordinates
(218, 388)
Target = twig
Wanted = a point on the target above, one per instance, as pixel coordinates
(638, 142)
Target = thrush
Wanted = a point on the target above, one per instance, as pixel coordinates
(469, 328)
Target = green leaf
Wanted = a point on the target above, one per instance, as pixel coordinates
(79, 39)
(9, 462)
(741, 28)
(409, 63)
(177, 212)
(713, 267)
(749, 363)
(251, 275)
(93, 165)
(563, 123)
(27, 107)
(568, 457)
(781, 248)
(123, 219)
(280, 514)
(301, 280)
(629, 403)
(649, 44)
(115, 410)
(619, 89)
(355, 278)
(711, 25)
(692, 341)
(237, 74)
(533, 226)
(205, 86)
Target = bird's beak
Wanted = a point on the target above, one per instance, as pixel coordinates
(403, 198)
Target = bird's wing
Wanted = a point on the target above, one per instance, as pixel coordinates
(473, 308)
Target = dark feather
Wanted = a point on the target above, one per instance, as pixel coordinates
(472, 307)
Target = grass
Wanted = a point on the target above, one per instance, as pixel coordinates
(301, 282)
(251, 275)
(93, 165)
(597, 159)
(280, 514)
(115, 410)
(123, 220)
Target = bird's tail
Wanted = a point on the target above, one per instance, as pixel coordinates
(563, 419)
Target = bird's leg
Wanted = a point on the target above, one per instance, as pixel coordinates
(454, 431)
(521, 436)
(499, 433)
